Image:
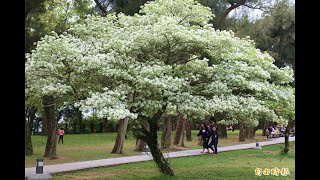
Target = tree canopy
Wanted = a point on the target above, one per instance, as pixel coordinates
(157, 55)
(142, 66)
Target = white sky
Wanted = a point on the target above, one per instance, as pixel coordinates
(254, 14)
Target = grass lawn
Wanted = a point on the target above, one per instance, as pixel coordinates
(240, 164)
(85, 147)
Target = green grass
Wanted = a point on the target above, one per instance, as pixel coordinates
(85, 147)
(235, 165)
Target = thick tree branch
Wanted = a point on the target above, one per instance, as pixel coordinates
(256, 7)
(104, 11)
(232, 7)
(143, 138)
(184, 18)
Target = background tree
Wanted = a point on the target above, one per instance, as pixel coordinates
(128, 7)
(223, 8)
(55, 69)
(122, 131)
(188, 130)
(274, 32)
(179, 136)
(28, 143)
(92, 122)
(220, 118)
(42, 17)
(49, 116)
(166, 132)
(31, 109)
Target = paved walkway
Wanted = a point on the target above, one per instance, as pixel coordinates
(59, 168)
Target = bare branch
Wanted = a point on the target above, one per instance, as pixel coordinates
(261, 8)
(184, 18)
(104, 11)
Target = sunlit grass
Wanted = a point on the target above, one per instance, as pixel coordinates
(85, 147)
(238, 164)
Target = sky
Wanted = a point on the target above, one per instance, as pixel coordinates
(253, 14)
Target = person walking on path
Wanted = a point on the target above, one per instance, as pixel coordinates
(61, 134)
(233, 126)
(204, 133)
(214, 139)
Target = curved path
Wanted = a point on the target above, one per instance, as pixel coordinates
(59, 168)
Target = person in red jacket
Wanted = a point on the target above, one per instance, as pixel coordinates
(61, 134)
(233, 127)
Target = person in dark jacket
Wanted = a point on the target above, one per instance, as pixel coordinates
(204, 133)
(214, 139)
(271, 131)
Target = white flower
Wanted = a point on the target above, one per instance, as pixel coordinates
(123, 66)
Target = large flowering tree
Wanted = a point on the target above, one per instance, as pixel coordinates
(156, 63)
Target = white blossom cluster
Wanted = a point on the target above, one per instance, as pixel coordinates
(110, 103)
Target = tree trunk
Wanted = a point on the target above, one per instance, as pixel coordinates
(50, 117)
(31, 117)
(157, 155)
(286, 141)
(140, 143)
(66, 128)
(206, 120)
(151, 138)
(122, 130)
(241, 132)
(249, 132)
(74, 127)
(264, 130)
(28, 150)
(179, 137)
(80, 121)
(80, 124)
(227, 11)
(286, 137)
(252, 132)
(92, 127)
(44, 131)
(188, 131)
(84, 128)
(101, 127)
(172, 127)
(166, 133)
(104, 125)
(222, 131)
(36, 129)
